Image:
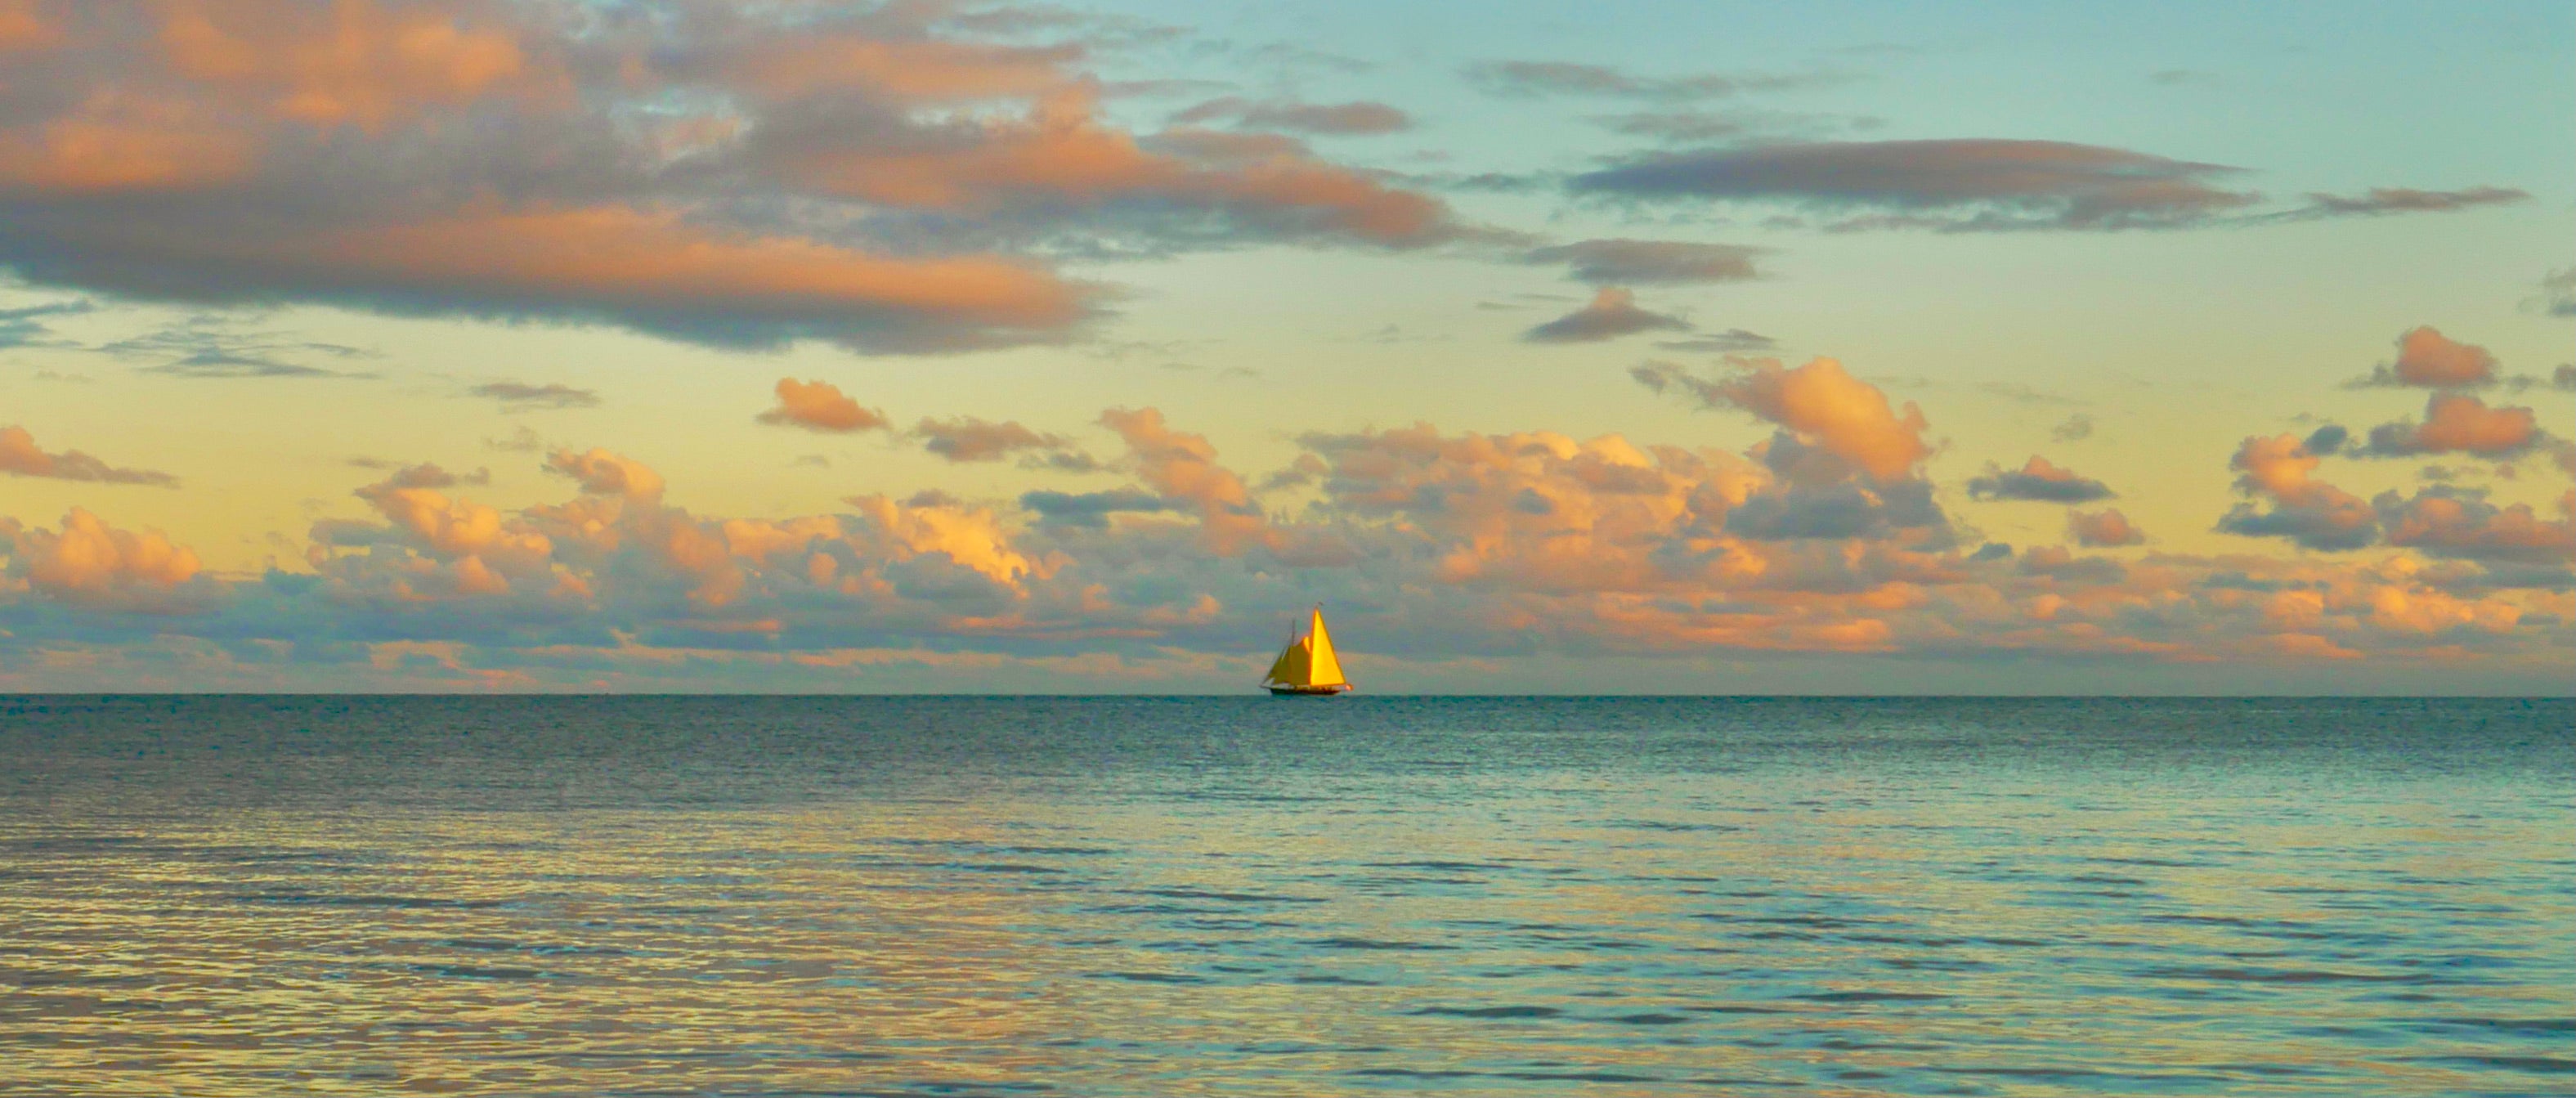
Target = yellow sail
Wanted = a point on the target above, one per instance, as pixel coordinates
(1293, 666)
(1324, 669)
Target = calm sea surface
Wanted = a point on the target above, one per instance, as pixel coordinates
(1240, 896)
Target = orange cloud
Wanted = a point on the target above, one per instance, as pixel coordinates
(2463, 524)
(602, 473)
(1183, 466)
(23, 26)
(1061, 154)
(119, 141)
(350, 61)
(90, 563)
(1849, 417)
(971, 537)
(615, 258)
(819, 406)
(794, 66)
(2459, 423)
(2428, 359)
(2310, 512)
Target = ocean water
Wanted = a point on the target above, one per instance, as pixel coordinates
(1251, 896)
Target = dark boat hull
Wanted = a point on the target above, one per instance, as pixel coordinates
(1309, 691)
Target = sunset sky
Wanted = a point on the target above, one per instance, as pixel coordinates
(1705, 348)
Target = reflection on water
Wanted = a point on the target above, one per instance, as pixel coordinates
(955, 896)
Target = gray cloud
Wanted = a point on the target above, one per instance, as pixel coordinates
(1540, 78)
(2391, 200)
(1730, 341)
(551, 395)
(212, 346)
(2075, 428)
(2310, 527)
(1612, 313)
(969, 439)
(2557, 293)
(1343, 119)
(1092, 509)
(2460, 523)
(25, 326)
(1620, 261)
(2037, 481)
(1953, 185)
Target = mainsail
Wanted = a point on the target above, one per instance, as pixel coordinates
(1308, 661)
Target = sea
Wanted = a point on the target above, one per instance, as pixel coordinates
(960, 896)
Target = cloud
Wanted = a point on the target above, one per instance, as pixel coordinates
(1649, 262)
(2037, 481)
(1091, 509)
(1844, 510)
(423, 475)
(2430, 360)
(1953, 185)
(2075, 428)
(209, 345)
(2557, 294)
(1059, 161)
(1550, 78)
(2102, 529)
(2563, 378)
(1730, 341)
(968, 439)
(25, 325)
(2389, 200)
(87, 562)
(820, 406)
(2309, 512)
(890, 180)
(2456, 423)
(602, 473)
(1612, 313)
(20, 456)
(1843, 415)
(1495, 548)
(1357, 118)
(1700, 127)
(515, 394)
(1182, 467)
(2461, 524)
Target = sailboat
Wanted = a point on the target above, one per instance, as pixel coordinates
(1307, 666)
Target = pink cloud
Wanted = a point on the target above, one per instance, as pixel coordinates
(1611, 313)
(2102, 529)
(20, 456)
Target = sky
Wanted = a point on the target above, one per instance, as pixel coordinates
(805, 346)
